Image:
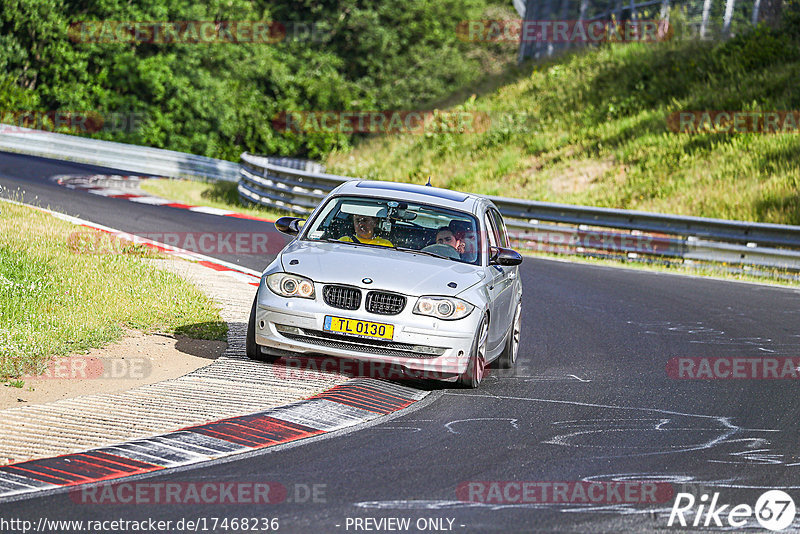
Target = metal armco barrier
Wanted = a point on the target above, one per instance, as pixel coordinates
(131, 158)
(298, 191)
(563, 228)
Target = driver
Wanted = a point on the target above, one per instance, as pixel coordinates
(445, 236)
(364, 232)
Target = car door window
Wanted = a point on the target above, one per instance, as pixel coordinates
(492, 238)
(491, 231)
(500, 227)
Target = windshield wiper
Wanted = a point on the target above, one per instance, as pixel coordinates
(356, 243)
(427, 252)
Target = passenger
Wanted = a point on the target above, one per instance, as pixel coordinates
(364, 227)
(465, 234)
(469, 247)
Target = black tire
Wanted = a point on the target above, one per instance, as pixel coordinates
(472, 377)
(253, 351)
(508, 358)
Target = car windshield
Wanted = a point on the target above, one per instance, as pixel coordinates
(402, 225)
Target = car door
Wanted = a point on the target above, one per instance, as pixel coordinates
(505, 280)
(512, 277)
(500, 287)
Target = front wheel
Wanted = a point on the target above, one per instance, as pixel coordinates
(508, 357)
(472, 377)
(251, 348)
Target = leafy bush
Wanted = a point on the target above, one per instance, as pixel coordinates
(219, 99)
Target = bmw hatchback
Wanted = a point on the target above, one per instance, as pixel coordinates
(416, 277)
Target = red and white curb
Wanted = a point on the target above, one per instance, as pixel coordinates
(357, 401)
(97, 184)
(244, 274)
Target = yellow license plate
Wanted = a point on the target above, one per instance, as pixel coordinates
(354, 327)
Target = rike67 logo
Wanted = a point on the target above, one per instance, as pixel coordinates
(774, 510)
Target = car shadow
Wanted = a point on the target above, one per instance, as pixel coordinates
(204, 340)
(314, 367)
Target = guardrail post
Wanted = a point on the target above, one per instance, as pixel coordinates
(706, 12)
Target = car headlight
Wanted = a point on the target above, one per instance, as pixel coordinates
(447, 308)
(290, 285)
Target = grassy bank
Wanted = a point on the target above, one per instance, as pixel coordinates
(590, 128)
(57, 298)
(221, 195)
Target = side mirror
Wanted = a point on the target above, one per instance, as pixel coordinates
(289, 225)
(504, 256)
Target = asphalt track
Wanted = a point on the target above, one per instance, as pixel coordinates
(590, 400)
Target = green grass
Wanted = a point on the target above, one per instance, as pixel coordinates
(212, 194)
(590, 128)
(59, 295)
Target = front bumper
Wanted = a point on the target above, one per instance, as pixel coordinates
(421, 346)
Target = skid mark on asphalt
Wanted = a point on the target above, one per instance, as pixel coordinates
(402, 428)
(534, 378)
(711, 336)
(668, 327)
(653, 432)
(449, 426)
(579, 379)
(440, 505)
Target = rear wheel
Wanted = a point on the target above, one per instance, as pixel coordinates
(508, 358)
(251, 348)
(472, 377)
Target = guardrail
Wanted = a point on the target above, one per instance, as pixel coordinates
(132, 158)
(566, 228)
(297, 186)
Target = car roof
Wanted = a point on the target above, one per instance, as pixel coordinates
(445, 198)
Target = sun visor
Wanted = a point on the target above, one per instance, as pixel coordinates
(357, 208)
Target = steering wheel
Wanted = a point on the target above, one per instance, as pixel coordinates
(443, 250)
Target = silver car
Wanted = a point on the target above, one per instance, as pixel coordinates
(410, 277)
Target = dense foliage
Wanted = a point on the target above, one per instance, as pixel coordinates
(219, 99)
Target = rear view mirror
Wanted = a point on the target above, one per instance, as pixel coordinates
(504, 256)
(289, 225)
